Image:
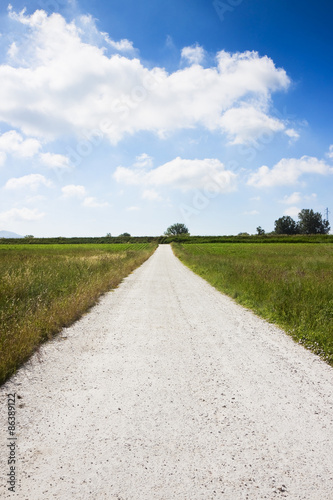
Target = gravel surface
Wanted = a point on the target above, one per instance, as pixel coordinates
(165, 390)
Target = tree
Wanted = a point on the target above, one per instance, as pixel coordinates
(311, 222)
(177, 229)
(108, 235)
(260, 231)
(286, 225)
(124, 235)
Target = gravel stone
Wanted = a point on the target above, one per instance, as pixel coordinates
(167, 389)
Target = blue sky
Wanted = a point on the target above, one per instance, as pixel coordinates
(129, 116)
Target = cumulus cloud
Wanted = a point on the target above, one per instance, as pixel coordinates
(123, 45)
(13, 143)
(91, 202)
(194, 54)
(20, 214)
(330, 152)
(54, 161)
(288, 171)
(12, 51)
(185, 175)
(293, 134)
(90, 34)
(296, 198)
(31, 181)
(63, 82)
(143, 161)
(246, 124)
(132, 209)
(80, 192)
(291, 199)
(252, 212)
(292, 211)
(73, 191)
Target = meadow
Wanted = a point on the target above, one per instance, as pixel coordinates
(44, 288)
(287, 284)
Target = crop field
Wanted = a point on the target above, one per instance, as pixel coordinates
(288, 284)
(46, 287)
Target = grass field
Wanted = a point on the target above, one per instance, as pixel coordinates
(46, 287)
(288, 284)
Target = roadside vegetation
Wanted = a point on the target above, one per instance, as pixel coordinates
(46, 287)
(178, 237)
(288, 284)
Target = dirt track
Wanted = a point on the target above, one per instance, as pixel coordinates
(169, 390)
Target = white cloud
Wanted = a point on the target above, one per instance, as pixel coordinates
(54, 161)
(64, 82)
(13, 143)
(151, 195)
(292, 211)
(194, 54)
(78, 191)
(292, 199)
(31, 181)
(293, 134)
(247, 124)
(90, 33)
(288, 171)
(143, 161)
(169, 43)
(73, 191)
(330, 152)
(91, 202)
(121, 46)
(12, 51)
(252, 212)
(20, 214)
(208, 174)
(133, 209)
(311, 197)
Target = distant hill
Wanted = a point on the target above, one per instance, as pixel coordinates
(9, 234)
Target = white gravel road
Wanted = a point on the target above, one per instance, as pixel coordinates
(169, 390)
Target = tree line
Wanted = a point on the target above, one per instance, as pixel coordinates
(309, 222)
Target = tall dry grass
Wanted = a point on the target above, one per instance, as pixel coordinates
(46, 287)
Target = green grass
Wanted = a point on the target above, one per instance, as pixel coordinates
(46, 287)
(288, 284)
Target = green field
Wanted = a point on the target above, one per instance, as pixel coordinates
(46, 287)
(288, 284)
